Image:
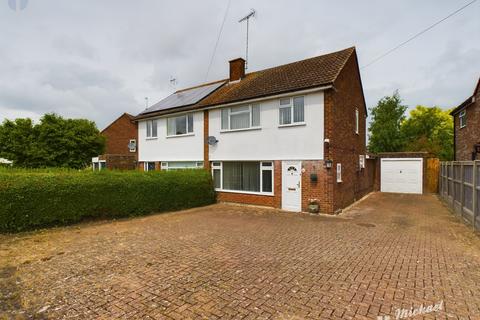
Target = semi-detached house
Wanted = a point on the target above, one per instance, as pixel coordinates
(277, 137)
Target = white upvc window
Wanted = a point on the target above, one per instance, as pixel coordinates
(241, 117)
(180, 125)
(357, 121)
(291, 111)
(132, 145)
(339, 172)
(152, 128)
(99, 165)
(149, 166)
(249, 177)
(463, 118)
(181, 165)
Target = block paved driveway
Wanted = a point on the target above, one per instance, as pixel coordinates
(236, 262)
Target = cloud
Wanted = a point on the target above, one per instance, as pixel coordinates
(74, 46)
(97, 59)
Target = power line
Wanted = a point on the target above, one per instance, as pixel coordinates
(417, 34)
(218, 39)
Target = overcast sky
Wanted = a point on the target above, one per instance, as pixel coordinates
(99, 58)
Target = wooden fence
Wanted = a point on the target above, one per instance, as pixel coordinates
(460, 189)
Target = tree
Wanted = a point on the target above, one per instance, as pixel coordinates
(387, 117)
(429, 129)
(53, 142)
(17, 140)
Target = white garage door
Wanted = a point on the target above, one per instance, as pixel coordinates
(401, 175)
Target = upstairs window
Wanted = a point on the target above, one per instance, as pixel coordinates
(291, 111)
(180, 125)
(242, 117)
(151, 128)
(463, 119)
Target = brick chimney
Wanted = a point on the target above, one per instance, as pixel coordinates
(237, 69)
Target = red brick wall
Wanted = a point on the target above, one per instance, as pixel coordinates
(467, 137)
(120, 161)
(320, 190)
(118, 135)
(345, 145)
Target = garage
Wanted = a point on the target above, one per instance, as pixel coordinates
(401, 175)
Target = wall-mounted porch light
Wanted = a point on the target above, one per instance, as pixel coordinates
(328, 164)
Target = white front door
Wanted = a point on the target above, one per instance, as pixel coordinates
(292, 186)
(401, 175)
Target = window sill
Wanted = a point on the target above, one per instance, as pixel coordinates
(181, 135)
(268, 194)
(462, 127)
(297, 124)
(151, 138)
(238, 130)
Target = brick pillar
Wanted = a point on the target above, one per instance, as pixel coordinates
(330, 182)
(206, 156)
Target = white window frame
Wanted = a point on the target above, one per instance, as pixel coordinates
(218, 165)
(339, 172)
(187, 122)
(361, 161)
(462, 118)
(290, 105)
(99, 162)
(357, 121)
(250, 114)
(145, 166)
(132, 141)
(149, 125)
(169, 165)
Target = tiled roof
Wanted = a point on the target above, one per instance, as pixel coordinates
(305, 74)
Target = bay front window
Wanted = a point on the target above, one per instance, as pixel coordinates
(243, 176)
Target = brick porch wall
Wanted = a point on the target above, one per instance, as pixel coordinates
(310, 190)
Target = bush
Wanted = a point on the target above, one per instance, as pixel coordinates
(31, 199)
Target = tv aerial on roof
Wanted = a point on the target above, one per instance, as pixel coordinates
(247, 18)
(173, 82)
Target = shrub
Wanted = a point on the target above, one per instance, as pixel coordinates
(31, 199)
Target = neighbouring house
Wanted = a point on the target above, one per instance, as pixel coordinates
(121, 145)
(279, 137)
(466, 119)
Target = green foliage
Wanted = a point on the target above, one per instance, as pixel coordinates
(31, 199)
(387, 117)
(429, 129)
(53, 142)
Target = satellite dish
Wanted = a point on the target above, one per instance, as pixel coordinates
(212, 140)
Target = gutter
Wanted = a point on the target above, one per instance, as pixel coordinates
(231, 104)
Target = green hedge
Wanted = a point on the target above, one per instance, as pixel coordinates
(31, 199)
